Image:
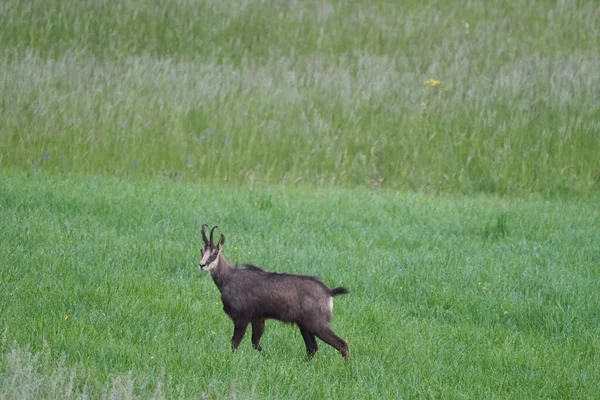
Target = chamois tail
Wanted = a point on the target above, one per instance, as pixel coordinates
(338, 290)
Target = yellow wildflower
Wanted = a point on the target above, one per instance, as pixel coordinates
(432, 82)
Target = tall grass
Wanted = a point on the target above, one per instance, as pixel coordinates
(452, 296)
(311, 92)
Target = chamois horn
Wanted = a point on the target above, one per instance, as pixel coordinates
(204, 238)
(211, 236)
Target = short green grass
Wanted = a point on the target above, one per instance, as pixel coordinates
(306, 92)
(452, 296)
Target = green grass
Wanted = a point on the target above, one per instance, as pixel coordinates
(452, 296)
(306, 92)
(438, 158)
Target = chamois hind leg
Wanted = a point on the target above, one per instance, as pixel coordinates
(258, 327)
(328, 336)
(239, 331)
(310, 341)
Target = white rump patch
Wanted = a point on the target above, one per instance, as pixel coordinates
(331, 304)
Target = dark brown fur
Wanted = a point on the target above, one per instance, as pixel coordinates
(251, 294)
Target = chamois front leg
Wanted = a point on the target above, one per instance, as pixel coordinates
(239, 330)
(258, 327)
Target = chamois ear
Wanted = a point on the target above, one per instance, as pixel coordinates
(221, 242)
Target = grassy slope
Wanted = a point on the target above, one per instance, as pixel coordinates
(451, 296)
(317, 92)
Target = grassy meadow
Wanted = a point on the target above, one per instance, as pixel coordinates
(438, 158)
(452, 297)
(466, 96)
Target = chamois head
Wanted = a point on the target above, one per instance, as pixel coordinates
(210, 252)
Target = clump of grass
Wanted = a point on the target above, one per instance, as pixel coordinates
(263, 202)
(498, 229)
(32, 375)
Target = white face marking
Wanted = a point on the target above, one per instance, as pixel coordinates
(205, 256)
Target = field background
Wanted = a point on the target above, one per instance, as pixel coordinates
(438, 158)
(312, 92)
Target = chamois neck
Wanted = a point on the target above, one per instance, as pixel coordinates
(221, 272)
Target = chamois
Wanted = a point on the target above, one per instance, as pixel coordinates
(251, 294)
